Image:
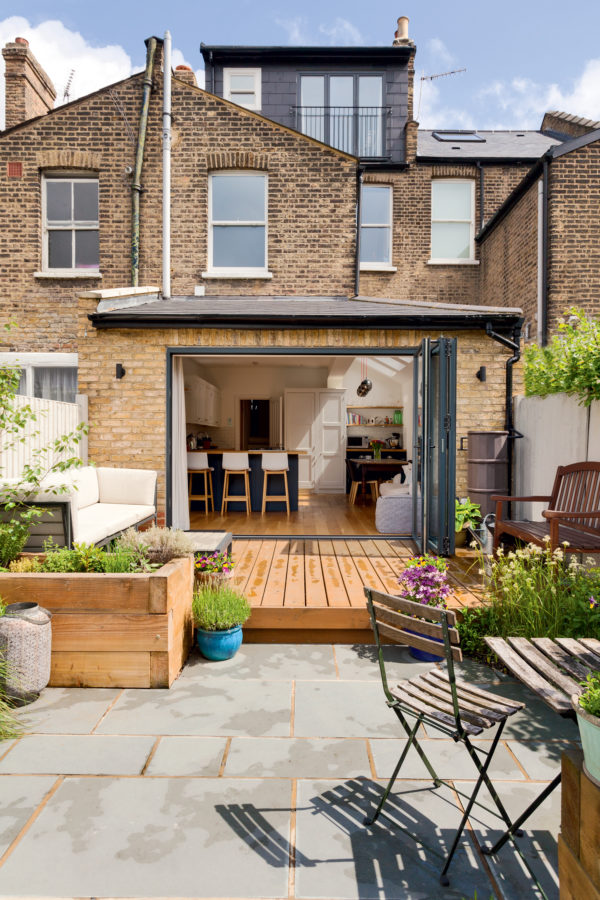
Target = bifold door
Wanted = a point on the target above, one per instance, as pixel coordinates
(434, 446)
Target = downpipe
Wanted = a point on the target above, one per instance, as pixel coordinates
(514, 344)
(166, 186)
(136, 187)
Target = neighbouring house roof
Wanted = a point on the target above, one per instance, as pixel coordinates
(303, 312)
(496, 145)
(561, 149)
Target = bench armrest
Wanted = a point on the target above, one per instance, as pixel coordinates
(565, 514)
(502, 498)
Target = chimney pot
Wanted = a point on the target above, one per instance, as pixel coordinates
(20, 40)
(184, 68)
(401, 35)
(187, 74)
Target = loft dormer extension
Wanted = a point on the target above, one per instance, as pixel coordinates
(356, 99)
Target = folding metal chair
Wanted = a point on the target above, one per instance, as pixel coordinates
(437, 698)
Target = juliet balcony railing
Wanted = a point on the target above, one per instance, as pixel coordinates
(359, 130)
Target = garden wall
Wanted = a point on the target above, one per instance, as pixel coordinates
(557, 431)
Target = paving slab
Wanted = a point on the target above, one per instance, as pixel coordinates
(342, 709)
(67, 710)
(450, 760)
(271, 662)
(77, 754)
(358, 662)
(540, 760)
(19, 798)
(227, 706)
(187, 756)
(156, 837)
(297, 757)
(339, 857)
(538, 844)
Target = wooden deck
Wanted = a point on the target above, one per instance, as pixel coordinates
(311, 591)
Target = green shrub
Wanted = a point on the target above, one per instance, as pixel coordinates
(534, 593)
(25, 564)
(570, 363)
(158, 545)
(466, 514)
(13, 537)
(217, 607)
(590, 698)
(118, 559)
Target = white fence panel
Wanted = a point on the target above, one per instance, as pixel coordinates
(53, 420)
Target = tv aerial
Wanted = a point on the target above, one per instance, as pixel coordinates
(433, 78)
(67, 90)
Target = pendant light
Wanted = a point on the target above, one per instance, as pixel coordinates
(365, 385)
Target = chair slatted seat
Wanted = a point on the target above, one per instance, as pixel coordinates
(436, 698)
(572, 516)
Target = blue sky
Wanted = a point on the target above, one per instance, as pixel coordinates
(521, 57)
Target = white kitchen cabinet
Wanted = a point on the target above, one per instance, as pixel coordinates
(202, 402)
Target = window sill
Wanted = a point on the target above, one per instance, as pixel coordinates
(452, 262)
(377, 267)
(260, 274)
(69, 273)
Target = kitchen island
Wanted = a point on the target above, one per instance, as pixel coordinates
(236, 483)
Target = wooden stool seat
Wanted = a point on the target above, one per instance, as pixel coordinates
(275, 464)
(236, 464)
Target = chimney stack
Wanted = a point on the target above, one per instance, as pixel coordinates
(401, 38)
(29, 91)
(184, 73)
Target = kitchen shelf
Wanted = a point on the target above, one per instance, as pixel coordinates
(387, 425)
(374, 406)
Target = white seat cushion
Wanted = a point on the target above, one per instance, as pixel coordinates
(394, 515)
(389, 489)
(85, 480)
(127, 486)
(103, 519)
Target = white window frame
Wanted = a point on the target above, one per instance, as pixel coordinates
(236, 271)
(72, 226)
(257, 92)
(381, 266)
(27, 362)
(456, 261)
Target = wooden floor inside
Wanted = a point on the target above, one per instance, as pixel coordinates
(311, 591)
(320, 514)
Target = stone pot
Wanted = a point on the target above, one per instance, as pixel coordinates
(589, 731)
(26, 643)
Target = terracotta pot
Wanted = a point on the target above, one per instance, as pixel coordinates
(213, 577)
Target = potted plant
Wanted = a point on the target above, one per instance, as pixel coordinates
(467, 515)
(376, 447)
(213, 567)
(219, 612)
(425, 581)
(587, 708)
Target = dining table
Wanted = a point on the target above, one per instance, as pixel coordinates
(377, 467)
(553, 669)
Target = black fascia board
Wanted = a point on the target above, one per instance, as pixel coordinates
(484, 160)
(420, 321)
(233, 55)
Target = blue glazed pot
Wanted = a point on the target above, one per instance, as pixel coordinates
(423, 655)
(219, 645)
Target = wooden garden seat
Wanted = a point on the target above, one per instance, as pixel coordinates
(572, 516)
(437, 698)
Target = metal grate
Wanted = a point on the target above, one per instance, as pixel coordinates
(359, 130)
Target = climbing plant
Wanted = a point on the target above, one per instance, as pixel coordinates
(570, 363)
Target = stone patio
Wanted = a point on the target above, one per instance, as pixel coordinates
(251, 778)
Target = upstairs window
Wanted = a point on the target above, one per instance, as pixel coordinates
(345, 111)
(452, 220)
(51, 376)
(243, 86)
(376, 227)
(70, 224)
(237, 224)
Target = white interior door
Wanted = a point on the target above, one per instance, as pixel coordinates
(330, 440)
(300, 415)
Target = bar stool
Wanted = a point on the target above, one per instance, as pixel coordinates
(275, 464)
(236, 464)
(197, 464)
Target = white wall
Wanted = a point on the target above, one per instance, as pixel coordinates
(557, 432)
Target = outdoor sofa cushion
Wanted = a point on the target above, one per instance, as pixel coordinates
(102, 520)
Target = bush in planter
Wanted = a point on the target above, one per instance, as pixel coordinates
(157, 545)
(425, 581)
(587, 707)
(219, 612)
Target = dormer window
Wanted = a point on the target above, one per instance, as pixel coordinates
(243, 86)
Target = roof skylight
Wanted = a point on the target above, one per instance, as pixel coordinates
(457, 136)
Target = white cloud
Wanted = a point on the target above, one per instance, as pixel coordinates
(439, 52)
(338, 33)
(60, 50)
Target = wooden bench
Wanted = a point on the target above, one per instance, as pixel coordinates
(572, 516)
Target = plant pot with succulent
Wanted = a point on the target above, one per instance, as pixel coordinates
(467, 515)
(376, 447)
(425, 581)
(213, 567)
(587, 708)
(219, 612)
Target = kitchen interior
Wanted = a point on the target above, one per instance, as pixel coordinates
(323, 412)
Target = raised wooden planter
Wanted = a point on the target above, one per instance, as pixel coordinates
(113, 630)
(579, 838)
